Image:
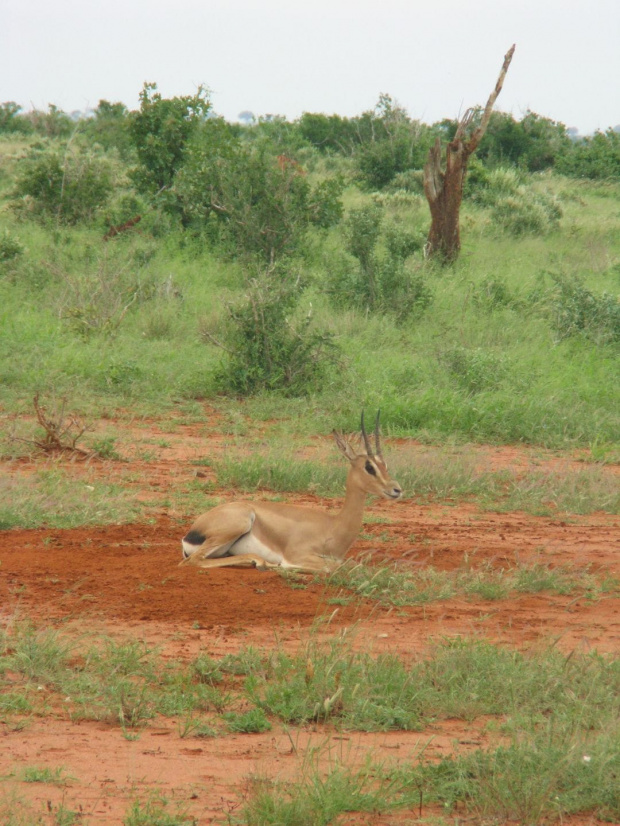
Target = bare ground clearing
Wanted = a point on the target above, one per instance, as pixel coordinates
(124, 580)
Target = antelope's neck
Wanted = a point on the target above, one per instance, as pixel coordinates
(352, 514)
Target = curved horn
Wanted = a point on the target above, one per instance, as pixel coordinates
(365, 437)
(377, 438)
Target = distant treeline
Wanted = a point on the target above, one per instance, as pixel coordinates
(383, 144)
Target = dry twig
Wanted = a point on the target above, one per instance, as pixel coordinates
(61, 431)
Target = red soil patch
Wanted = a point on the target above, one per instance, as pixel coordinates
(125, 580)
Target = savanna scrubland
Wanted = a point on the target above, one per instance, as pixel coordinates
(195, 305)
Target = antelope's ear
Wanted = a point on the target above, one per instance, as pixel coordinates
(344, 447)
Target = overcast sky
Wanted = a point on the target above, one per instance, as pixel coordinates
(435, 57)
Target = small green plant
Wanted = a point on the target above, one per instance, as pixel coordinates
(40, 655)
(492, 293)
(248, 722)
(36, 774)
(192, 726)
(207, 670)
(157, 811)
(322, 797)
(106, 448)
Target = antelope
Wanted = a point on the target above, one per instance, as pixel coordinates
(271, 535)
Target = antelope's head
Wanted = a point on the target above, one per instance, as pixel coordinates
(369, 470)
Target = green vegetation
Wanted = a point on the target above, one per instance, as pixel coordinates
(51, 498)
(391, 586)
(34, 774)
(154, 260)
(284, 261)
(127, 684)
(538, 777)
(157, 811)
(551, 719)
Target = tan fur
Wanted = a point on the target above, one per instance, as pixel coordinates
(271, 534)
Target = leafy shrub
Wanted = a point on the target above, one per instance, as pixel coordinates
(378, 163)
(325, 208)
(516, 207)
(395, 144)
(257, 203)
(574, 309)
(361, 233)
(492, 293)
(404, 288)
(11, 121)
(109, 127)
(51, 124)
(160, 131)
(123, 207)
(411, 180)
(527, 213)
(10, 247)
(534, 143)
(485, 187)
(96, 299)
(596, 157)
(383, 280)
(269, 349)
(69, 187)
(250, 722)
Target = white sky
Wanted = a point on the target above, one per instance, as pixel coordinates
(435, 57)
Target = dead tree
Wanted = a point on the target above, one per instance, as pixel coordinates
(444, 188)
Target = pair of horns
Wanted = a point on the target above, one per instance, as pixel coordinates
(377, 438)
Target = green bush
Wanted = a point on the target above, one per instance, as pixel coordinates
(526, 213)
(69, 187)
(492, 293)
(96, 299)
(11, 121)
(596, 157)
(51, 124)
(384, 280)
(109, 127)
(10, 247)
(160, 132)
(574, 310)
(394, 145)
(269, 346)
(516, 207)
(255, 202)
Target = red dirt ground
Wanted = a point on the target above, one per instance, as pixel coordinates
(124, 580)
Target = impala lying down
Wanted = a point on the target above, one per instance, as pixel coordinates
(270, 534)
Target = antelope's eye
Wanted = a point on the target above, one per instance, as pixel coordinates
(370, 469)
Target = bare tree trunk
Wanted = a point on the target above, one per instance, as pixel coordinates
(444, 188)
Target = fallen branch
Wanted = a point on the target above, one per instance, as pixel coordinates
(122, 227)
